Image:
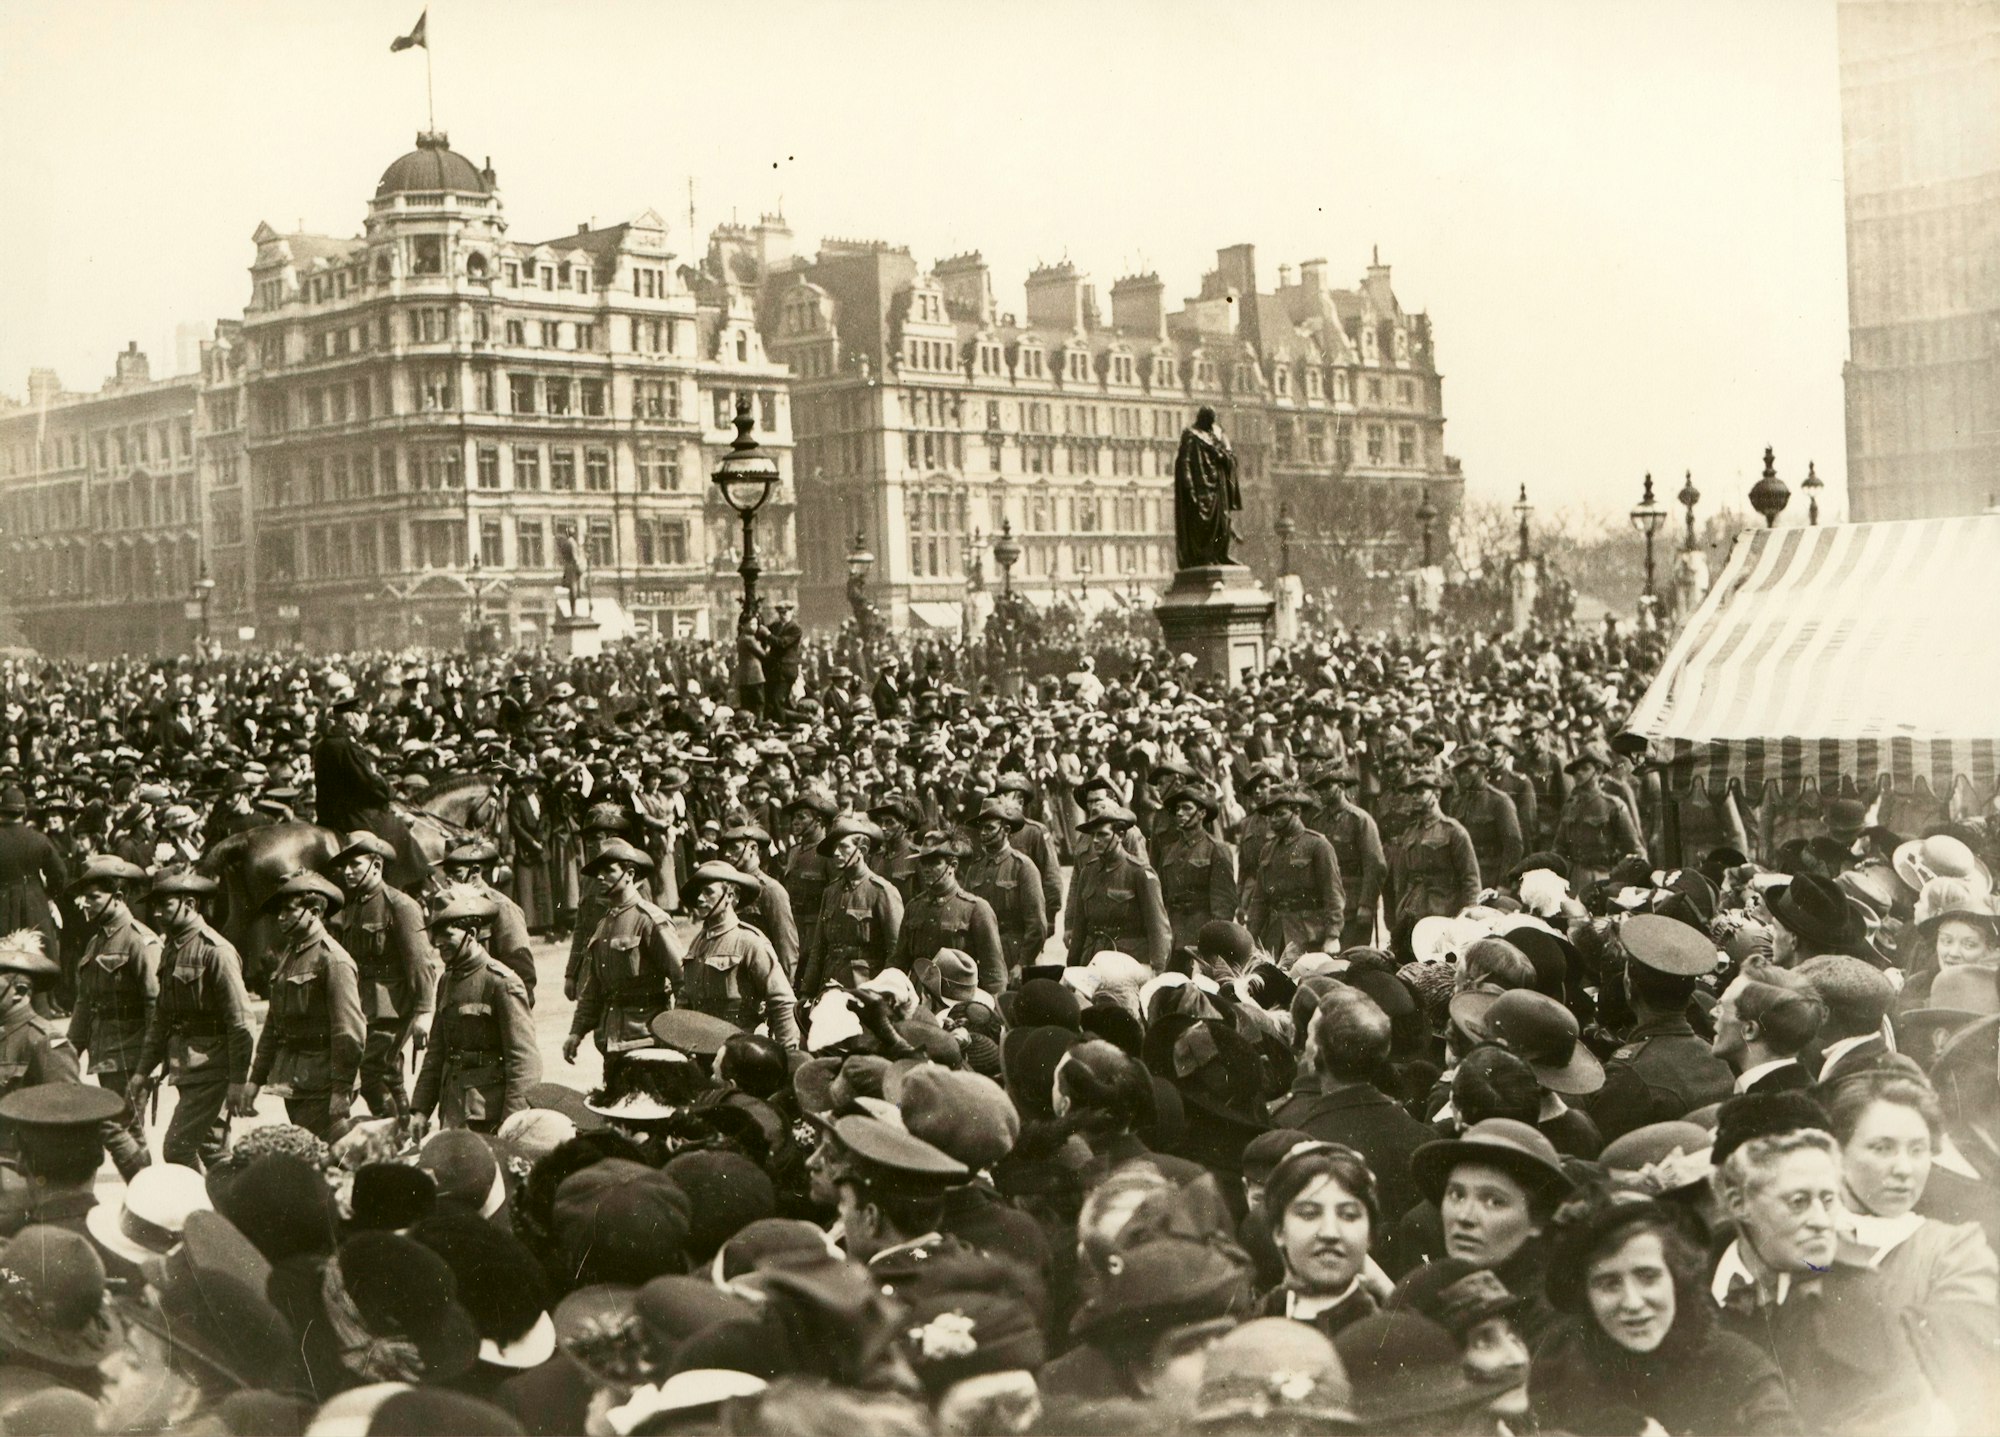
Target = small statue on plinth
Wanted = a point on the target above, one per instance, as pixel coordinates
(1205, 494)
(576, 578)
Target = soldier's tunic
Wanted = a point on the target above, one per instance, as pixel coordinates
(1520, 790)
(383, 932)
(1197, 883)
(860, 918)
(1035, 840)
(899, 866)
(771, 914)
(1488, 817)
(732, 973)
(1115, 903)
(30, 1054)
(631, 971)
(1364, 867)
(482, 1057)
(805, 878)
(1299, 901)
(949, 917)
(510, 947)
(1434, 870)
(201, 1031)
(1595, 831)
(117, 981)
(1663, 1072)
(1012, 887)
(1258, 835)
(310, 1049)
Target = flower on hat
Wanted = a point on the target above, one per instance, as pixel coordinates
(945, 1336)
(1678, 1169)
(1292, 1386)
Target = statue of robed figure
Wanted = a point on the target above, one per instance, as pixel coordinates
(576, 577)
(1205, 494)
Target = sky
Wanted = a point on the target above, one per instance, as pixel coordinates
(1624, 218)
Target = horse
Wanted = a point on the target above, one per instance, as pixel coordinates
(456, 807)
(249, 866)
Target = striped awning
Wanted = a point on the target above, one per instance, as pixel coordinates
(1840, 652)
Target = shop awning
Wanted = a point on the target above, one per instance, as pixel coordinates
(1841, 651)
(932, 614)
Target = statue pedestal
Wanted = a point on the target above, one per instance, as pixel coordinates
(577, 637)
(1221, 615)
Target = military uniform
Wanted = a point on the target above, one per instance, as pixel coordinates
(1488, 817)
(1197, 883)
(1115, 902)
(117, 981)
(732, 973)
(1012, 887)
(860, 918)
(311, 1046)
(771, 914)
(1434, 869)
(201, 1031)
(482, 1057)
(1256, 841)
(949, 917)
(1664, 1072)
(1299, 901)
(1034, 839)
(805, 876)
(511, 947)
(1520, 791)
(383, 932)
(631, 971)
(30, 1054)
(1595, 831)
(1357, 849)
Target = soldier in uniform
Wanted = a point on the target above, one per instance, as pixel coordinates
(860, 914)
(1261, 781)
(482, 1057)
(117, 981)
(1518, 787)
(943, 915)
(1299, 902)
(1010, 883)
(57, 1130)
(1485, 813)
(310, 1049)
(1034, 839)
(1431, 864)
(1115, 900)
(731, 971)
(1665, 1070)
(383, 932)
(466, 867)
(633, 967)
(1595, 829)
(602, 822)
(30, 1053)
(1197, 872)
(770, 912)
(892, 1188)
(805, 873)
(1357, 848)
(200, 1027)
(896, 857)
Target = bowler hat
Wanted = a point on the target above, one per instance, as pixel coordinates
(1815, 910)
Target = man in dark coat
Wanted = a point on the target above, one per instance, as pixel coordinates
(30, 870)
(349, 791)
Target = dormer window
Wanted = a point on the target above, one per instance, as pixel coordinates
(1314, 384)
(1281, 380)
(428, 255)
(1163, 371)
(1079, 364)
(475, 265)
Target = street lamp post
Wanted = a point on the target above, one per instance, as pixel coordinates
(746, 476)
(1285, 528)
(1427, 517)
(1769, 495)
(1007, 553)
(1647, 517)
(204, 587)
(1523, 511)
(1689, 497)
(1812, 484)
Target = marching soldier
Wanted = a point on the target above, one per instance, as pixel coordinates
(770, 912)
(466, 867)
(896, 857)
(1485, 813)
(1518, 786)
(1432, 863)
(602, 822)
(1010, 883)
(1197, 872)
(1357, 847)
(200, 1027)
(311, 1046)
(1298, 903)
(1034, 839)
(30, 1054)
(383, 932)
(1261, 781)
(943, 915)
(117, 981)
(860, 914)
(805, 873)
(1595, 829)
(1115, 900)
(482, 1057)
(731, 971)
(633, 967)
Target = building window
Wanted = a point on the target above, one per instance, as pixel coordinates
(562, 469)
(517, 330)
(437, 393)
(428, 255)
(482, 385)
(551, 334)
(364, 473)
(521, 393)
(527, 467)
(529, 544)
(586, 334)
(489, 466)
(659, 469)
(656, 399)
(725, 406)
(364, 399)
(491, 552)
(597, 470)
(558, 390)
(1374, 444)
(1406, 445)
(590, 395)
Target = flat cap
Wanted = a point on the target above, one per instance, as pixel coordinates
(1667, 945)
(890, 1154)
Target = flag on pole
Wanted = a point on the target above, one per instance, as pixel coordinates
(415, 37)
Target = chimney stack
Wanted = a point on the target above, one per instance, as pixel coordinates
(132, 367)
(1056, 298)
(1138, 306)
(1312, 274)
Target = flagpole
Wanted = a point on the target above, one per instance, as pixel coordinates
(430, 95)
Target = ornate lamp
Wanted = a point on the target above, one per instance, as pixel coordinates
(746, 476)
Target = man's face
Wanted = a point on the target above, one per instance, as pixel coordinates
(993, 833)
(359, 872)
(467, 873)
(1188, 814)
(611, 877)
(740, 853)
(891, 826)
(936, 869)
(92, 901)
(711, 900)
(455, 940)
(296, 913)
(805, 825)
(849, 852)
(1466, 776)
(1789, 1219)
(177, 912)
(1732, 1040)
(1101, 840)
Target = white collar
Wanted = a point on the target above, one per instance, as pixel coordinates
(1304, 1307)
(1883, 1234)
(1732, 1269)
(531, 1349)
(1751, 1075)
(1835, 1051)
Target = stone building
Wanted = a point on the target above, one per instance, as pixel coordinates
(1921, 137)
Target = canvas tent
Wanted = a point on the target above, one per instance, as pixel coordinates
(1848, 653)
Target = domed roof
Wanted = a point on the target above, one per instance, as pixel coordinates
(433, 165)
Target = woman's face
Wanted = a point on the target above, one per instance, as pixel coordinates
(1486, 1215)
(1966, 945)
(1631, 1293)
(1323, 1235)
(1887, 1160)
(1789, 1220)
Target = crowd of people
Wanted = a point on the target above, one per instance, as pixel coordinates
(1377, 1046)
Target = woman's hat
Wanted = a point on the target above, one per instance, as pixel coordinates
(52, 1299)
(1660, 1158)
(1274, 1369)
(380, 1297)
(1404, 1365)
(1940, 856)
(1536, 1028)
(1515, 1148)
(1456, 1293)
(210, 1304)
(151, 1213)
